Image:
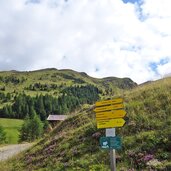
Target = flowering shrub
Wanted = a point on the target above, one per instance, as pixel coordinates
(139, 159)
(148, 157)
(153, 163)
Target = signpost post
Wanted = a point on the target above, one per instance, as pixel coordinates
(112, 160)
(111, 133)
(109, 114)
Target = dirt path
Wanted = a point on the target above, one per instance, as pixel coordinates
(11, 150)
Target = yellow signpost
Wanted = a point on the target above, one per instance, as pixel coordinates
(109, 102)
(112, 123)
(111, 107)
(110, 114)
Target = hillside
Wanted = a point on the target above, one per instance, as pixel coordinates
(74, 144)
(50, 91)
(53, 80)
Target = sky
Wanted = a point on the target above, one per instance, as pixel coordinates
(120, 38)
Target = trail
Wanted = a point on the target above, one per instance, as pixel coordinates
(11, 150)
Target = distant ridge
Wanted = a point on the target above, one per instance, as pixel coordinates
(167, 75)
(83, 74)
(45, 69)
(24, 80)
(147, 82)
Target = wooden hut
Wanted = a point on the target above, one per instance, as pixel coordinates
(55, 119)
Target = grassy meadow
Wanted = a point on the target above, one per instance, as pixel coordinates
(11, 127)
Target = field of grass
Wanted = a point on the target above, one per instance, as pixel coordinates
(11, 127)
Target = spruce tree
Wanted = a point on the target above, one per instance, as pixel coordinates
(40, 108)
(36, 128)
(32, 128)
(24, 131)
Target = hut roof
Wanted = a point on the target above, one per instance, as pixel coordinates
(57, 117)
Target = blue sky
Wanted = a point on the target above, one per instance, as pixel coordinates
(129, 38)
(154, 65)
(33, 1)
(131, 1)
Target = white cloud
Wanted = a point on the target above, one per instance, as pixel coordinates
(164, 70)
(100, 37)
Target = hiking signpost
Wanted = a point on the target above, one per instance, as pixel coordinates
(110, 114)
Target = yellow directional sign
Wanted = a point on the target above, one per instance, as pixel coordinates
(111, 107)
(112, 123)
(110, 115)
(108, 102)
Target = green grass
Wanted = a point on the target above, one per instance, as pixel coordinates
(11, 127)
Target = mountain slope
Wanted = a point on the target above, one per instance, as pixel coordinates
(19, 81)
(50, 91)
(74, 144)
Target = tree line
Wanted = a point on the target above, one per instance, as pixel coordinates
(43, 105)
(12, 79)
(42, 87)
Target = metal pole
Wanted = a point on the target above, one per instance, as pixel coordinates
(111, 133)
(112, 160)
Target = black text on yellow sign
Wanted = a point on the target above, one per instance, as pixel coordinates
(110, 114)
(109, 102)
(112, 123)
(108, 108)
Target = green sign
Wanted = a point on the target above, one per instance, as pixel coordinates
(110, 142)
(115, 142)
